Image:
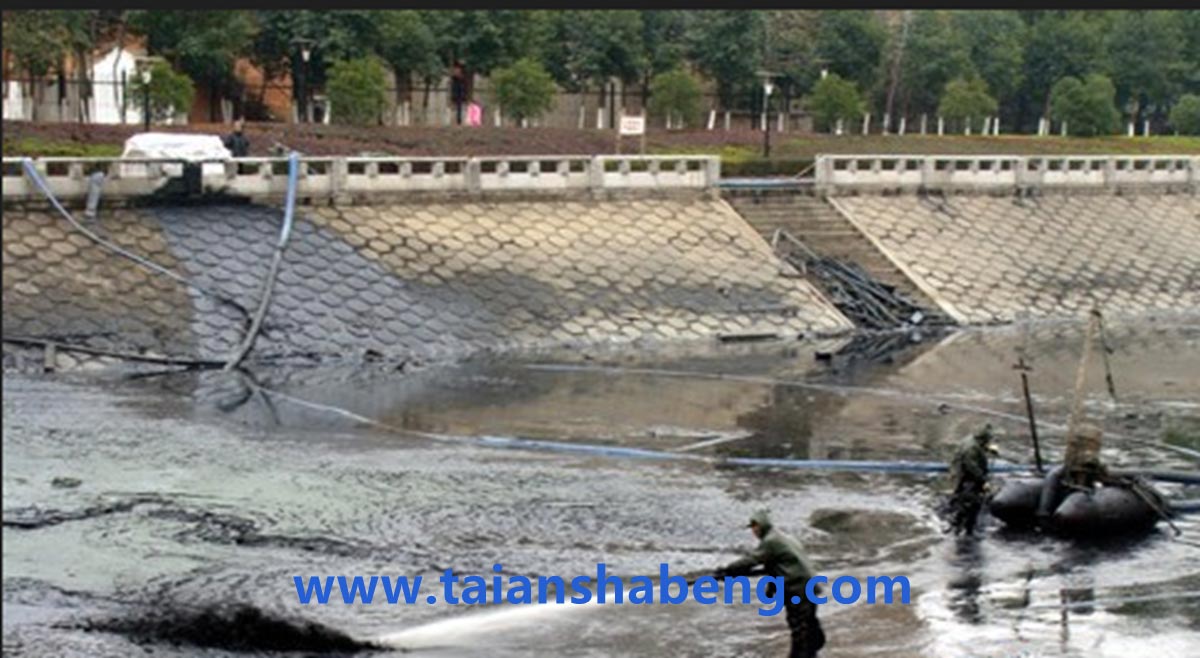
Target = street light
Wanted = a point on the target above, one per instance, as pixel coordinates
(305, 47)
(145, 71)
(768, 87)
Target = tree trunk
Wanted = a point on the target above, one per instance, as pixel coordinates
(897, 63)
(118, 93)
(85, 83)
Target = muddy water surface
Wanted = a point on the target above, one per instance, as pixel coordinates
(171, 513)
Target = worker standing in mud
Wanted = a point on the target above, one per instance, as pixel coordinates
(779, 555)
(969, 469)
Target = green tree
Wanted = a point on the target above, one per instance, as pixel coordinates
(358, 91)
(997, 43)
(938, 51)
(790, 49)
(486, 40)
(1146, 51)
(1088, 106)
(408, 45)
(1061, 44)
(1185, 116)
(38, 41)
(851, 44)
(594, 46)
(331, 35)
(1190, 23)
(676, 93)
(967, 100)
(833, 98)
(203, 44)
(663, 34)
(170, 91)
(524, 90)
(722, 46)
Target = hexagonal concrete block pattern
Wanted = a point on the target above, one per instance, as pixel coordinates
(405, 279)
(986, 259)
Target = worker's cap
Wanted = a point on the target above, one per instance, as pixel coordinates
(760, 517)
(985, 434)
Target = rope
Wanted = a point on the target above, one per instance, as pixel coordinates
(269, 282)
(32, 172)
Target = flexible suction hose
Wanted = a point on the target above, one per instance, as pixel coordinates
(264, 298)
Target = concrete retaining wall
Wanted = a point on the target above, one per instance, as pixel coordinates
(435, 278)
(987, 259)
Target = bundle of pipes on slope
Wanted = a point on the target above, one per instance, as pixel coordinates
(854, 291)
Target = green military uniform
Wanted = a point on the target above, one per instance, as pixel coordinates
(780, 555)
(969, 470)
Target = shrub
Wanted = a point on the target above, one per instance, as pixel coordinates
(1185, 116)
(834, 98)
(170, 91)
(966, 100)
(1088, 106)
(524, 90)
(357, 90)
(676, 94)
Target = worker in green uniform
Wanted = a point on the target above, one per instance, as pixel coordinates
(779, 555)
(969, 470)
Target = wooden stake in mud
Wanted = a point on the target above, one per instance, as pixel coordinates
(1105, 350)
(1077, 404)
(1037, 451)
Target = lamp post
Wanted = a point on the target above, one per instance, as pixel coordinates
(768, 88)
(305, 48)
(144, 67)
(145, 77)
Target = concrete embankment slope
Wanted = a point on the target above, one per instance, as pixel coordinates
(405, 278)
(986, 259)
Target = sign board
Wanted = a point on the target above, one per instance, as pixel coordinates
(633, 125)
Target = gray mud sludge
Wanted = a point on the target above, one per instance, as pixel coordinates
(168, 515)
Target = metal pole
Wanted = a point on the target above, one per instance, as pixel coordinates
(612, 105)
(1037, 451)
(146, 105)
(766, 124)
(302, 115)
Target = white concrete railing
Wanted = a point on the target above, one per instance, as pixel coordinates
(333, 176)
(976, 172)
